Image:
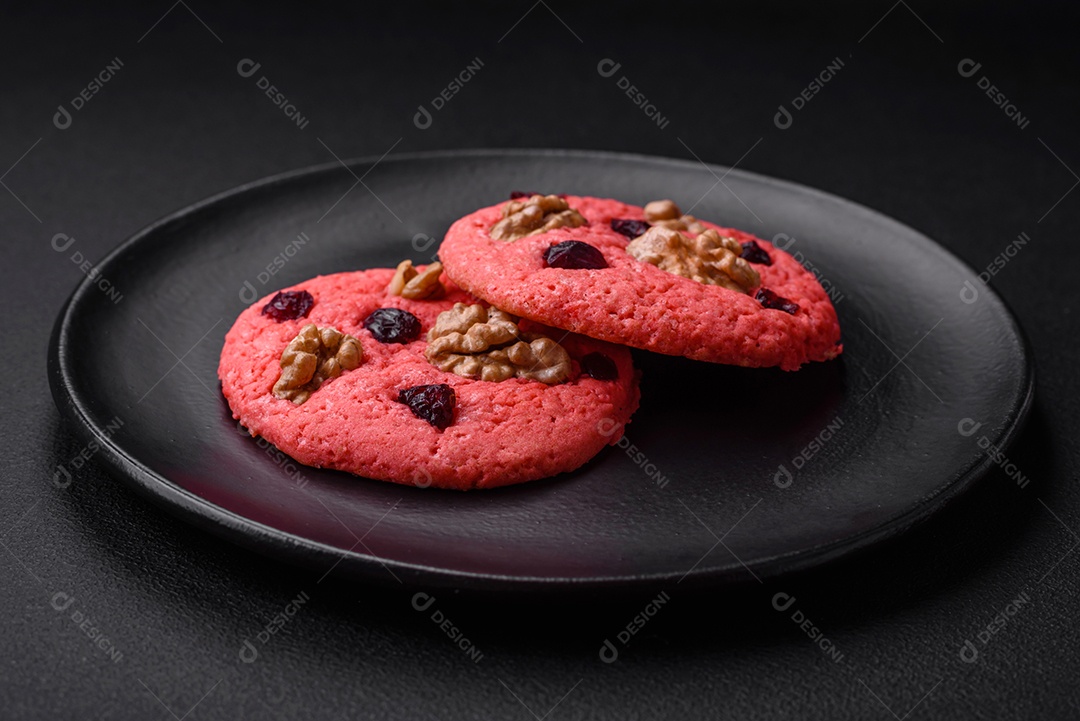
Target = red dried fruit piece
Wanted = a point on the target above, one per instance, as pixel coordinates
(771, 300)
(573, 254)
(393, 325)
(289, 305)
(754, 253)
(433, 403)
(630, 228)
(600, 367)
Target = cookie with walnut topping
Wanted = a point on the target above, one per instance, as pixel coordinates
(652, 278)
(347, 371)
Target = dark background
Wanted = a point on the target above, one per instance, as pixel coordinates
(898, 129)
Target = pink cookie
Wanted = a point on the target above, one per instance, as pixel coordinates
(636, 303)
(501, 433)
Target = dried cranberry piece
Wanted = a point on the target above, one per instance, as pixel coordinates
(289, 305)
(754, 253)
(574, 254)
(772, 301)
(600, 367)
(393, 325)
(434, 403)
(630, 228)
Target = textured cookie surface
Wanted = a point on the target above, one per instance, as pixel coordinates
(503, 432)
(638, 304)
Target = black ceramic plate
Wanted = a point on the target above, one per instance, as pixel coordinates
(725, 473)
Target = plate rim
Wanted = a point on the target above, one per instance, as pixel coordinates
(300, 551)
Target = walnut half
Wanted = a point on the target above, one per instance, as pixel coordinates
(538, 214)
(410, 283)
(709, 258)
(314, 356)
(665, 214)
(486, 344)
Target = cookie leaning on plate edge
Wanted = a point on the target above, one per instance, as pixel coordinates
(380, 408)
(651, 278)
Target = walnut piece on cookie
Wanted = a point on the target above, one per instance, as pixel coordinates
(486, 344)
(665, 214)
(538, 214)
(410, 283)
(314, 356)
(709, 258)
